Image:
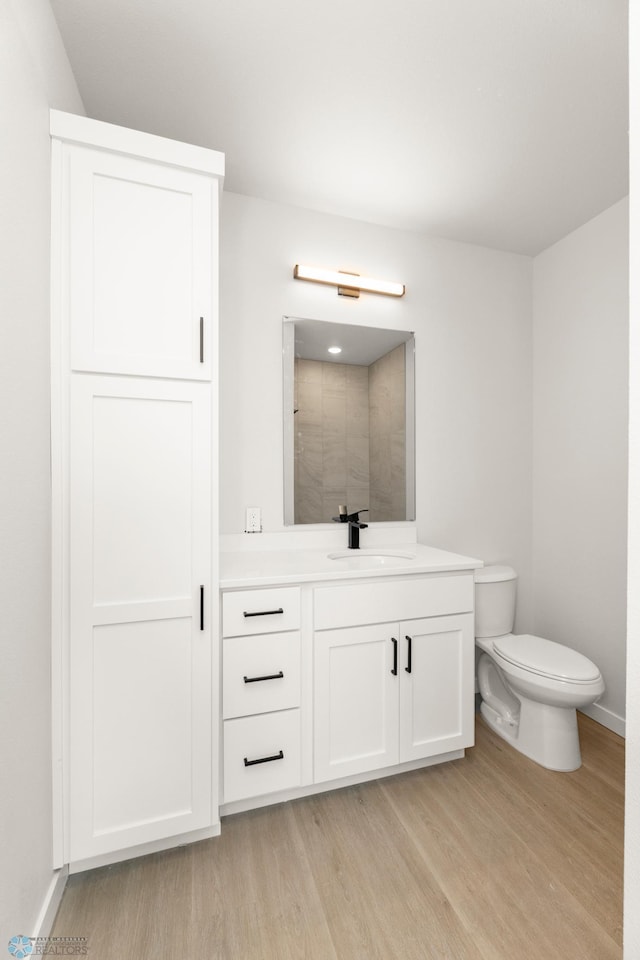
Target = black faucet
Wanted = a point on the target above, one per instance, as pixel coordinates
(355, 525)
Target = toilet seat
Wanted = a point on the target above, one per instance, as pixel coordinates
(545, 658)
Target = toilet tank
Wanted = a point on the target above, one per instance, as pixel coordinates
(495, 589)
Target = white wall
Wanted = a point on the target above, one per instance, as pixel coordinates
(470, 308)
(34, 74)
(580, 329)
(632, 808)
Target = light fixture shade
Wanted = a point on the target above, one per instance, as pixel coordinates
(349, 280)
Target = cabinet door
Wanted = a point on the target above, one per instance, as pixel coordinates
(355, 701)
(437, 688)
(142, 261)
(140, 654)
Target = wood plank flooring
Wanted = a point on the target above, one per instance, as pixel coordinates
(487, 858)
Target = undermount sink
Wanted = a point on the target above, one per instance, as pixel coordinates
(373, 558)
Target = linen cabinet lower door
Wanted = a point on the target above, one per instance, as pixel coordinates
(437, 686)
(355, 701)
(139, 765)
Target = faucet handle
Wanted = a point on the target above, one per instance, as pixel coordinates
(354, 517)
(343, 514)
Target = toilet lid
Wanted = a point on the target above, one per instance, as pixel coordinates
(545, 657)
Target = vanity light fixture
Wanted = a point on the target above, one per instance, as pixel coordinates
(348, 284)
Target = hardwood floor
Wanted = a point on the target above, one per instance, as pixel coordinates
(487, 858)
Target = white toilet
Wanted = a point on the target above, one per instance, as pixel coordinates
(530, 687)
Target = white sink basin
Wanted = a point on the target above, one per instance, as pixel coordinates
(372, 558)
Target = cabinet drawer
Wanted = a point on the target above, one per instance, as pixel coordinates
(273, 740)
(260, 611)
(349, 605)
(260, 674)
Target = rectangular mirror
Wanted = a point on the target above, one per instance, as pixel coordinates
(349, 421)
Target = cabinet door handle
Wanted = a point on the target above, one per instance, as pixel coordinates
(252, 763)
(262, 613)
(201, 339)
(394, 669)
(202, 606)
(272, 676)
(408, 666)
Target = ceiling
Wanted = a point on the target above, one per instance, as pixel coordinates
(358, 345)
(497, 122)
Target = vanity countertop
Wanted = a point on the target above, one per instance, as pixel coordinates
(261, 568)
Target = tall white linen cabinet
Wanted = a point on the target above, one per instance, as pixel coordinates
(134, 472)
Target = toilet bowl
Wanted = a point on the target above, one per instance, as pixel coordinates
(530, 687)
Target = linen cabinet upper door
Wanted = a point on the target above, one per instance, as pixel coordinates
(142, 260)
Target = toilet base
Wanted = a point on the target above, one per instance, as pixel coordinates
(546, 734)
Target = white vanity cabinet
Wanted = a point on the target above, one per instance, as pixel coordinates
(397, 691)
(134, 454)
(330, 681)
(261, 685)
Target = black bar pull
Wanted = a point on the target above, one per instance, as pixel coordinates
(202, 606)
(394, 670)
(408, 666)
(201, 339)
(262, 613)
(272, 676)
(252, 763)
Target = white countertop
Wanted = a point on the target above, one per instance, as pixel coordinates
(256, 568)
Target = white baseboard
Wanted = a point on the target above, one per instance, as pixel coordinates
(51, 902)
(607, 718)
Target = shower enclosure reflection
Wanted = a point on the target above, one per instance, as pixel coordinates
(348, 421)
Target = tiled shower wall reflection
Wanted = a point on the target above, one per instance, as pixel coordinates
(387, 430)
(331, 439)
(349, 419)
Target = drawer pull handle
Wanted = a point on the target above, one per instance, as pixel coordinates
(394, 670)
(251, 763)
(272, 676)
(408, 666)
(262, 613)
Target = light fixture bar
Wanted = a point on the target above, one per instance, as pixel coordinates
(334, 278)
